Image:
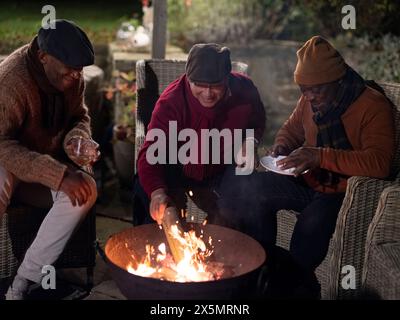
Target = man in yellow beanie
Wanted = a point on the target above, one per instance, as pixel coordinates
(341, 127)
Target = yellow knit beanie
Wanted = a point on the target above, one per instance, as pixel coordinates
(318, 62)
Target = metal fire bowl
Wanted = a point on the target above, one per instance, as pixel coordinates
(240, 252)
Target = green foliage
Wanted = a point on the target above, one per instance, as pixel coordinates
(241, 21)
(382, 62)
(123, 94)
(218, 21)
(20, 21)
(373, 17)
(134, 22)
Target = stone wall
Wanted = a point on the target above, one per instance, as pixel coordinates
(271, 66)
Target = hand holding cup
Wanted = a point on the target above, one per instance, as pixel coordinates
(82, 151)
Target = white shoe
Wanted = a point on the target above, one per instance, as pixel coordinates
(18, 289)
(14, 294)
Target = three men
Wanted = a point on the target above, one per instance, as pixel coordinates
(340, 127)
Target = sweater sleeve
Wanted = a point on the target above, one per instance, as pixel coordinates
(291, 134)
(26, 165)
(80, 116)
(375, 156)
(152, 176)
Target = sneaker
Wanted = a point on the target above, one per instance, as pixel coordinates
(18, 289)
(14, 294)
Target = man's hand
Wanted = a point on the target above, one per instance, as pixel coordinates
(82, 151)
(158, 203)
(302, 159)
(278, 150)
(248, 155)
(76, 186)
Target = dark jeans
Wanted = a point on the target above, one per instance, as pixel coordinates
(291, 274)
(316, 220)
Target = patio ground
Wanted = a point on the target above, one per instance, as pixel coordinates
(70, 284)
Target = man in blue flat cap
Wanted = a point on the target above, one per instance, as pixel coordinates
(41, 112)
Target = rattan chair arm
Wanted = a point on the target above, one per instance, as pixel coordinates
(355, 215)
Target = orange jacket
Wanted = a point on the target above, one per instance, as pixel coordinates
(369, 126)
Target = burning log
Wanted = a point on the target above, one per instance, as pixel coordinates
(165, 273)
(171, 219)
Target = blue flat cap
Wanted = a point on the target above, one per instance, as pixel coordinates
(68, 43)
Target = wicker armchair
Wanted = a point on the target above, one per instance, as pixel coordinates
(381, 272)
(18, 229)
(152, 77)
(359, 205)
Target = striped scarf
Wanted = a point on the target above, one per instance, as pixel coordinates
(331, 132)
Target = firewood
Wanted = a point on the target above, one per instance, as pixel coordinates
(165, 273)
(170, 218)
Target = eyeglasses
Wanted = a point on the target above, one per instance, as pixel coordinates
(216, 86)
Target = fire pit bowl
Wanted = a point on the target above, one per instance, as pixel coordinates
(241, 253)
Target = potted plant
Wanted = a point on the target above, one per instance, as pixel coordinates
(123, 94)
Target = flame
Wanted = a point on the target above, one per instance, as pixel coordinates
(163, 252)
(143, 268)
(193, 266)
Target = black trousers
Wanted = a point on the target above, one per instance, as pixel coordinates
(315, 223)
(291, 274)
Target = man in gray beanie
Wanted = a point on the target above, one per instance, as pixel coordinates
(209, 96)
(42, 111)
